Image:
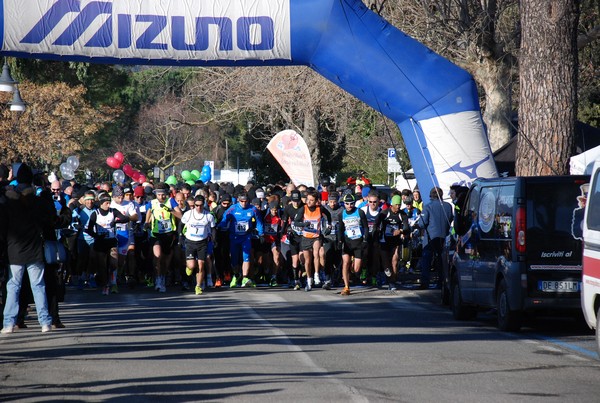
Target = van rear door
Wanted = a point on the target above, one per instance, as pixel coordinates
(555, 210)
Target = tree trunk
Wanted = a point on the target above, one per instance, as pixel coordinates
(548, 78)
(310, 132)
(495, 78)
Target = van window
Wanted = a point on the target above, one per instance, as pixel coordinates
(593, 201)
(470, 212)
(553, 209)
(504, 212)
(487, 211)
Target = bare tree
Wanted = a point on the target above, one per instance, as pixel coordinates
(164, 138)
(548, 104)
(482, 36)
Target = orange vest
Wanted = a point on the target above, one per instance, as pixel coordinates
(312, 229)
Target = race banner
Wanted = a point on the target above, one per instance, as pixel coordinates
(175, 30)
(291, 152)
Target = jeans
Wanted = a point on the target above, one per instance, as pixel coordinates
(13, 288)
(432, 250)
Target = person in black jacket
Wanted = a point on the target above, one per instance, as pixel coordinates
(21, 223)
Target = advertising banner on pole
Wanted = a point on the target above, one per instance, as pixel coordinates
(291, 152)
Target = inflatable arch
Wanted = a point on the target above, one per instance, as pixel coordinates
(433, 101)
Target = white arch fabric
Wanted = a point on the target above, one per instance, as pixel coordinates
(434, 102)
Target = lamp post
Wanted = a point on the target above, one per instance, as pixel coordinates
(7, 84)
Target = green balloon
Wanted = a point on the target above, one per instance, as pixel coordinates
(196, 174)
(190, 182)
(186, 175)
(171, 180)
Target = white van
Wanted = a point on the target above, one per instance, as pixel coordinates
(590, 289)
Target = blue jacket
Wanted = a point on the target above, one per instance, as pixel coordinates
(436, 218)
(241, 221)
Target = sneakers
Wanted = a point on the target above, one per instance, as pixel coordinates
(185, 286)
(114, 289)
(374, 281)
(209, 282)
(188, 271)
(157, 283)
(392, 286)
(106, 290)
(273, 282)
(218, 283)
(46, 328)
(327, 285)
(308, 285)
(233, 283)
(317, 279)
(7, 329)
(246, 282)
(296, 285)
(388, 273)
(198, 290)
(345, 291)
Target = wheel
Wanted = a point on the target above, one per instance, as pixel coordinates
(459, 310)
(598, 331)
(508, 320)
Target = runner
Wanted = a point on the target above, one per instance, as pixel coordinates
(199, 226)
(241, 219)
(310, 219)
(352, 237)
(293, 234)
(160, 219)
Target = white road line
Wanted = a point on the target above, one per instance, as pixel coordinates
(352, 393)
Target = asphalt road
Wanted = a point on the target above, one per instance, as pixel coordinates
(273, 345)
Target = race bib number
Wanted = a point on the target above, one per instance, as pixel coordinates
(389, 229)
(271, 229)
(241, 227)
(196, 230)
(311, 226)
(164, 226)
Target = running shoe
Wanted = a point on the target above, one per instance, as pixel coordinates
(218, 283)
(198, 290)
(185, 286)
(363, 274)
(317, 279)
(233, 283)
(327, 285)
(388, 273)
(105, 290)
(46, 328)
(374, 281)
(392, 286)
(209, 282)
(273, 282)
(188, 271)
(345, 291)
(114, 289)
(7, 329)
(246, 282)
(296, 285)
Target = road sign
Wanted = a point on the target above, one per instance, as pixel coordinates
(393, 164)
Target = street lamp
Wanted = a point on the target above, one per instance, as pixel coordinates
(7, 84)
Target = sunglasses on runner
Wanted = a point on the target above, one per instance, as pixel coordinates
(198, 205)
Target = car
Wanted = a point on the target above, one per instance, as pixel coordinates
(518, 249)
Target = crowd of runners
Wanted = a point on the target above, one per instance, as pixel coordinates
(112, 237)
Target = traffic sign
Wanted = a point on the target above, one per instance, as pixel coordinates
(393, 164)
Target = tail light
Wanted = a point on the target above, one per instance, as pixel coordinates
(520, 229)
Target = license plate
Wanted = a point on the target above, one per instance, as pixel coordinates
(559, 286)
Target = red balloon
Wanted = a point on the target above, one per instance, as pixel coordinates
(142, 178)
(136, 176)
(119, 157)
(113, 163)
(128, 169)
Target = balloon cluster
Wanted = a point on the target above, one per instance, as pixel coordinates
(119, 174)
(190, 177)
(67, 169)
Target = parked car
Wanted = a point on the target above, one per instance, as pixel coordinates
(518, 248)
(590, 290)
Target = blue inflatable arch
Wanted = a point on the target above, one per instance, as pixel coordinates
(434, 102)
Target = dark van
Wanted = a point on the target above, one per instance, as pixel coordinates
(518, 248)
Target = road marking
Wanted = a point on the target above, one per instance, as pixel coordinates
(352, 393)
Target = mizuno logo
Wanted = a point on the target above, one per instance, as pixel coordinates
(470, 170)
(253, 33)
